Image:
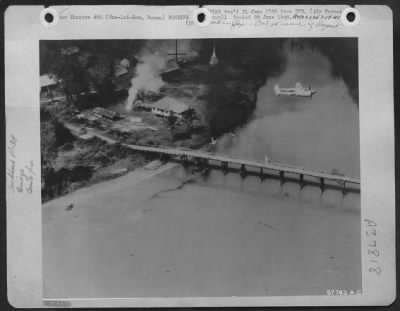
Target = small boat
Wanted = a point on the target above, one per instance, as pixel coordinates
(298, 90)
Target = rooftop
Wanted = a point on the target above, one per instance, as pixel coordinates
(169, 104)
(46, 80)
(106, 113)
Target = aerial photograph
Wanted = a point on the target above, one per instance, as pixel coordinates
(200, 167)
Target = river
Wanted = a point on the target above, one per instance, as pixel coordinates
(320, 133)
(182, 234)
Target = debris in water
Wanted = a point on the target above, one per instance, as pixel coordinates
(179, 187)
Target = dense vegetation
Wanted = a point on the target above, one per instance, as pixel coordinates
(343, 54)
(69, 163)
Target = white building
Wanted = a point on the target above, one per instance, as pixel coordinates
(47, 82)
(166, 105)
(213, 59)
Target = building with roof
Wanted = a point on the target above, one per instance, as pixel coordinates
(106, 113)
(47, 82)
(69, 50)
(167, 105)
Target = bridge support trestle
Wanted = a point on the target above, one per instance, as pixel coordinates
(301, 181)
(202, 161)
(282, 177)
(224, 167)
(184, 159)
(262, 174)
(322, 184)
(203, 166)
(242, 171)
(163, 157)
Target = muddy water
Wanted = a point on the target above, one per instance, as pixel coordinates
(321, 132)
(182, 234)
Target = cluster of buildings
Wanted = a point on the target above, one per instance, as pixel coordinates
(123, 71)
(99, 117)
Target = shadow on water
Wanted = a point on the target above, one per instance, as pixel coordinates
(270, 185)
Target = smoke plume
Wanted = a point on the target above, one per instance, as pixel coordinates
(147, 77)
(153, 59)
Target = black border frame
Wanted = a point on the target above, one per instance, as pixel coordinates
(392, 4)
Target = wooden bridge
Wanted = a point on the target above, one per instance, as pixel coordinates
(205, 161)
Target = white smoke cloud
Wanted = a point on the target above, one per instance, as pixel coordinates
(147, 77)
(153, 59)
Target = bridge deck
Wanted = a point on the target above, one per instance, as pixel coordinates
(221, 158)
(256, 164)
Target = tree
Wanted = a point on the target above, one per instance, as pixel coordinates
(62, 134)
(99, 74)
(72, 73)
(189, 116)
(171, 120)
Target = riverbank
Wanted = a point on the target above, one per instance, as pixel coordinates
(81, 163)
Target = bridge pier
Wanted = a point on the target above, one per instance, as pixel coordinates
(203, 165)
(224, 167)
(344, 188)
(205, 170)
(242, 171)
(301, 181)
(163, 157)
(322, 184)
(184, 159)
(262, 174)
(282, 177)
(197, 161)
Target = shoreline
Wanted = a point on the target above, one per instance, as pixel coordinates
(140, 174)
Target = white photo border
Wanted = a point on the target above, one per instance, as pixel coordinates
(23, 30)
